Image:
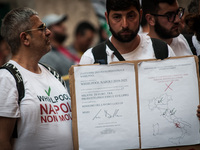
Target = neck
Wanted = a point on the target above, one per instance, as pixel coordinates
(153, 34)
(145, 28)
(126, 47)
(28, 62)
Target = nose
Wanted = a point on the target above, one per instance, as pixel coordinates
(124, 22)
(48, 32)
(177, 19)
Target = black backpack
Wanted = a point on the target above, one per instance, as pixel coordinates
(100, 56)
(188, 37)
(160, 49)
(20, 85)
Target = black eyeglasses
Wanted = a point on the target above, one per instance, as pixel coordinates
(43, 27)
(171, 16)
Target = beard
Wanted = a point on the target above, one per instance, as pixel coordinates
(60, 38)
(124, 38)
(164, 33)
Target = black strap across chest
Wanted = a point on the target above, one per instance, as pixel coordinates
(100, 55)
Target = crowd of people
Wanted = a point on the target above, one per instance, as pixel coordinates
(37, 59)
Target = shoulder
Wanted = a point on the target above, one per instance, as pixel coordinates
(182, 37)
(152, 44)
(87, 57)
(196, 44)
(180, 40)
(8, 95)
(6, 76)
(145, 41)
(7, 80)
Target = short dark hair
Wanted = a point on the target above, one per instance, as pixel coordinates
(152, 6)
(193, 7)
(15, 22)
(193, 23)
(117, 5)
(83, 26)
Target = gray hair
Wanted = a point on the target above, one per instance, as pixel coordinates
(15, 22)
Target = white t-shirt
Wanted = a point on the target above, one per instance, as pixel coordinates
(196, 44)
(44, 113)
(180, 46)
(143, 51)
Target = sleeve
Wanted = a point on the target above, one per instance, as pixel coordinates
(8, 95)
(170, 52)
(87, 57)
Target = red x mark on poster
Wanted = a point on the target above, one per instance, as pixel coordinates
(168, 86)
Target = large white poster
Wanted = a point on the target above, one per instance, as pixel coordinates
(168, 93)
(106, 107)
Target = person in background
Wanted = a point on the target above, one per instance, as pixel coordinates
(165, 20)
(5, 52)
(192, 23)
(144, 26)
(99, 7)
(59, 58)
(84, 37)
(193, 7)
(103, 35)
(42, 119)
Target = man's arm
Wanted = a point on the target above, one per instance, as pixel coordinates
(6, 129)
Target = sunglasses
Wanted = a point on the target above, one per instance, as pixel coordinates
(42, 27)
(171, 16)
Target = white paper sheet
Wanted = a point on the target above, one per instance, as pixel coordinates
(168, 103)
(106, 107)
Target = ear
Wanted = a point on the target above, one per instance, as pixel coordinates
(150, 19)
(106, 15)
(141, 13)
(25, 38)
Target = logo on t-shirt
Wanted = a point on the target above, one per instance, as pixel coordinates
(49, 91)
(55, 108)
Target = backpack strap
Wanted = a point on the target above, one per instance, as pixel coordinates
(20, 88)
(160, 48)
(188, 37)
(18, 78)
(116, 52)
(55, 74)
(99, 53)
(100, 56)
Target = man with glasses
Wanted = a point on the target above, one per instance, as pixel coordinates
(40, 118)
(165, 20)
